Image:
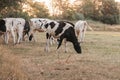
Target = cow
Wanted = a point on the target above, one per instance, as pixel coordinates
(14, 25)
(80, 29)
(35, 24)
(63, 31)
(3, 29)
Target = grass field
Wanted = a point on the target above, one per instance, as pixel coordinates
(100, 59)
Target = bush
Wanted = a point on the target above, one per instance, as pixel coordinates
(78, 16)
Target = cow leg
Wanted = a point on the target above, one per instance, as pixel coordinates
(60, 41)
(34, 39)
(47, 42)
(30, 37)
(66, 50)
(32, 32)
(13, 35)
(6, 37)
(34, 36)
(20, 33)
(77, 32)
(82, 36)
(24, 34)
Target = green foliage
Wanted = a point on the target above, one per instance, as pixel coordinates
(12, 8)
(101, 10)
(78, 16)
(9, 3)
(110, 12)
(88, 8)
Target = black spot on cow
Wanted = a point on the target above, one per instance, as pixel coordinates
(2, 26)
(46, 25)
(52, 24)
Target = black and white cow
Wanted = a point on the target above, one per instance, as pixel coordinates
(61, 30)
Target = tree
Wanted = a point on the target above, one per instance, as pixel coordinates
(39, 10)
(110, 12)
(12, 8)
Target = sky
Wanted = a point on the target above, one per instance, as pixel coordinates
(117, 0)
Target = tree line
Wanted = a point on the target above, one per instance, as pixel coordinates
(105, 11)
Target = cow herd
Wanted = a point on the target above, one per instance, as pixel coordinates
(54, 29)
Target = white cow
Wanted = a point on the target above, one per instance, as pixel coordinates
(13, 26)
(80, 29)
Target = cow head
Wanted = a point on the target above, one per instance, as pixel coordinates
(77, 47)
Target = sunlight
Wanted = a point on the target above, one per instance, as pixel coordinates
(52, 11)
(71, 1)
(48, 4)
(117, 0)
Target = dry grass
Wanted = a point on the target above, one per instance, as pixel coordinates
(98, 26)
(10, 66)
(100, 59)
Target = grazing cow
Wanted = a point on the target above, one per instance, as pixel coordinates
(35, 24)
(3, 29)
(80, 29)
(61, 30)
(14, 25)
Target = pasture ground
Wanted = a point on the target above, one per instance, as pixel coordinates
(100, 59)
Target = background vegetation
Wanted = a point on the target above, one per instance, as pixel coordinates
(106, 11)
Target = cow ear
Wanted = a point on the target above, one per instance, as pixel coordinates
(40, 20)
(46, 25)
